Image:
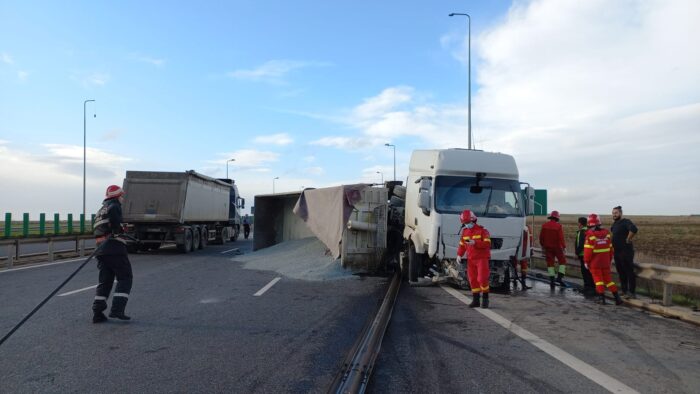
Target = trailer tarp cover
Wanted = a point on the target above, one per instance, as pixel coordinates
(326, 212)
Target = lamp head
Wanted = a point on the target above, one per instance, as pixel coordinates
(452, 14)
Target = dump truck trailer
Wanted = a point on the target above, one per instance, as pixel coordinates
(187, 209)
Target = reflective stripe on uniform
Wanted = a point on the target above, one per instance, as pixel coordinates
(125, 295)
(487, 239)
(601, 250)
(589, 246)
(484, 289)
(599, 283)
(103, 221)
(476, 291)
(592, 237)
(476, 237)
(100, 298)
(610, 284)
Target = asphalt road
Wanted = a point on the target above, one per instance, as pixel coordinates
(435, 343)
(199, 328)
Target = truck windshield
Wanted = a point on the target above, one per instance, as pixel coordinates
(498, 197)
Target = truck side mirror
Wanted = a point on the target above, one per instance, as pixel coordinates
(424, 201)
(242, 203)
(530, 192)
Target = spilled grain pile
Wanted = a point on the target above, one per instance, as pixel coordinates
(305, 259)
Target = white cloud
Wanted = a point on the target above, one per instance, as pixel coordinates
(50, 180)
(249, 158)
(596, 87)
(6, 58)
(317, 171)
(91, 79)
(274, 139)
(309, 159)
(22, 75)
(273, 70)
(153, 61)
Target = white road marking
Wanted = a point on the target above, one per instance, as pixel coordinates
(604, 380)
(79, 290)
(267, 287)
(230, 250)
(42, 265)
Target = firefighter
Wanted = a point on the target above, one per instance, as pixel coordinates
(475, 246)
(598, 255)
(553, 245)
(112, 258)
(588, 285)
(524, 260)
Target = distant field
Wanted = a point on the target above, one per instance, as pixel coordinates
(669, 240)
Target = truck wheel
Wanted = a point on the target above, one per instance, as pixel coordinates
(224, 235)
(415, 264)
(186, 246)
(204, 238)
(195, 239)
(236, 231)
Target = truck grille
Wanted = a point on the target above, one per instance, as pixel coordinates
(496, 243)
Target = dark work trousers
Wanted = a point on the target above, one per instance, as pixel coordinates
(112, 266)
(624, 263)
(588, 284)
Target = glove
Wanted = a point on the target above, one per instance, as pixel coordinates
(586, 265)
(459, 259)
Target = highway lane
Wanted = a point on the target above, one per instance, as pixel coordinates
(197, 327)
(435, 343)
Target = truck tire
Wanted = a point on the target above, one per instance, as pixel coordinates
(415, 263)
(204, 238)
(236, 232)
(224, 235)
(186, 244)
(195, 238)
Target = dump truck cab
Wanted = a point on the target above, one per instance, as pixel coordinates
(440, 185)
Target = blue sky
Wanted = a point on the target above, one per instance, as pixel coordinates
(596, 100)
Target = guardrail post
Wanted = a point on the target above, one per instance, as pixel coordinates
(82, 223)
(92, 222)
(25, 224)
(50, 249)
(56, 224)
(81, 252)
(668, 295)
(70, 223)
(8, 225)
(10, 255)
(42, 224)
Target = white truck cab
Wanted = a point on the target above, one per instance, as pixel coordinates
(441, 184)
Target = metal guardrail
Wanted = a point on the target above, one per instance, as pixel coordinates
(667, 275)
(14, 247)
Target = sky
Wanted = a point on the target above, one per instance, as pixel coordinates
(598, 101)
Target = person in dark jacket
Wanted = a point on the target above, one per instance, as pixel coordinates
(623, 230)
(112, 258)
(588, 285)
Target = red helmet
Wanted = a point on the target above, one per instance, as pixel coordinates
(593, 220)
(114, 191)
(554, 215)
(467, 216)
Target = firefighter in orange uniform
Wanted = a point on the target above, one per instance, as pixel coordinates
(475, 245)
(553, 245)
(598, 255)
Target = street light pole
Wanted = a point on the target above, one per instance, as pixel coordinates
(227, 161)
(393, 146)
(469, 73)
(382, 174)
(273, 184)
(85, 150)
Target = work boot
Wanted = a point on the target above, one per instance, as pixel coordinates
(99, 317)
(485, 302)
(560, 280)
(525, 286)
(601, 299)
(551, 283)
(475, 300)
(618, 300)
(118, 306)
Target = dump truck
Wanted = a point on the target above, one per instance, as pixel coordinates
(416, 226)
(187, 209)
